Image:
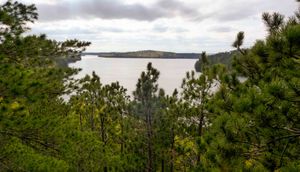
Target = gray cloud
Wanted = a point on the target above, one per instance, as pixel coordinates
(60, 31)
(237, 10)
(85, 31)
(180, 30)
(107, 9)
(160, 28)
(235, 14)
(221, 29)
(176, 7)
(117, 9)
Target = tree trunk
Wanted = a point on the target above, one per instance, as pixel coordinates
(103, 137)
(172, 151)
(162, 165)
(200, 127)
(92, 120)
(149, 140)
(102, 130)
(80, 117)
(122, 136)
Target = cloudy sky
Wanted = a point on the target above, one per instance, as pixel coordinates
(168, 25)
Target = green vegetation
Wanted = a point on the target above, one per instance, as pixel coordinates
(224, 58)
(146, 54)
(241, 126)
(140, 54)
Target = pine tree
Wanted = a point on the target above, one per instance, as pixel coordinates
(146, 98)
(256, 122)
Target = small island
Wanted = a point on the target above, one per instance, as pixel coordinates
(146, 54)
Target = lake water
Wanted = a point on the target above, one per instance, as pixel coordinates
(128, 70)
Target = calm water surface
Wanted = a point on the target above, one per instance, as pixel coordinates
(128, 70)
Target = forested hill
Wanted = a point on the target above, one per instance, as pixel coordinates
(146, 54)
(219, 58)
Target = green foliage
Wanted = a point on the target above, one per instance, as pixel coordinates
(224, 58)
(33, 116)
(256, 122)
(15, 16)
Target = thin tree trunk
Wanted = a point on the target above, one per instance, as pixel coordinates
(162, 165)
(80, 117)
(92, 120)
(200, 127)
(172, 152)
(102, 130)
(149, 140)
(92, 114)
(103, 138)
(122, 135)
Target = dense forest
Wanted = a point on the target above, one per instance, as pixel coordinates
(241, 126)
(145, 54)
(224, 58)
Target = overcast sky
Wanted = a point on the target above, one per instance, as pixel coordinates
(168, 25)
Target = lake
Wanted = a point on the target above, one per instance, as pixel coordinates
(128, 70)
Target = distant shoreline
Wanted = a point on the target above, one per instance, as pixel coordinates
(145, 54)
(118, 57)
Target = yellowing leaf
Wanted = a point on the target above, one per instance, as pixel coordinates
(15, 105)
(249, 163)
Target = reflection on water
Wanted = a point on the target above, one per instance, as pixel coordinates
(128, 70)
